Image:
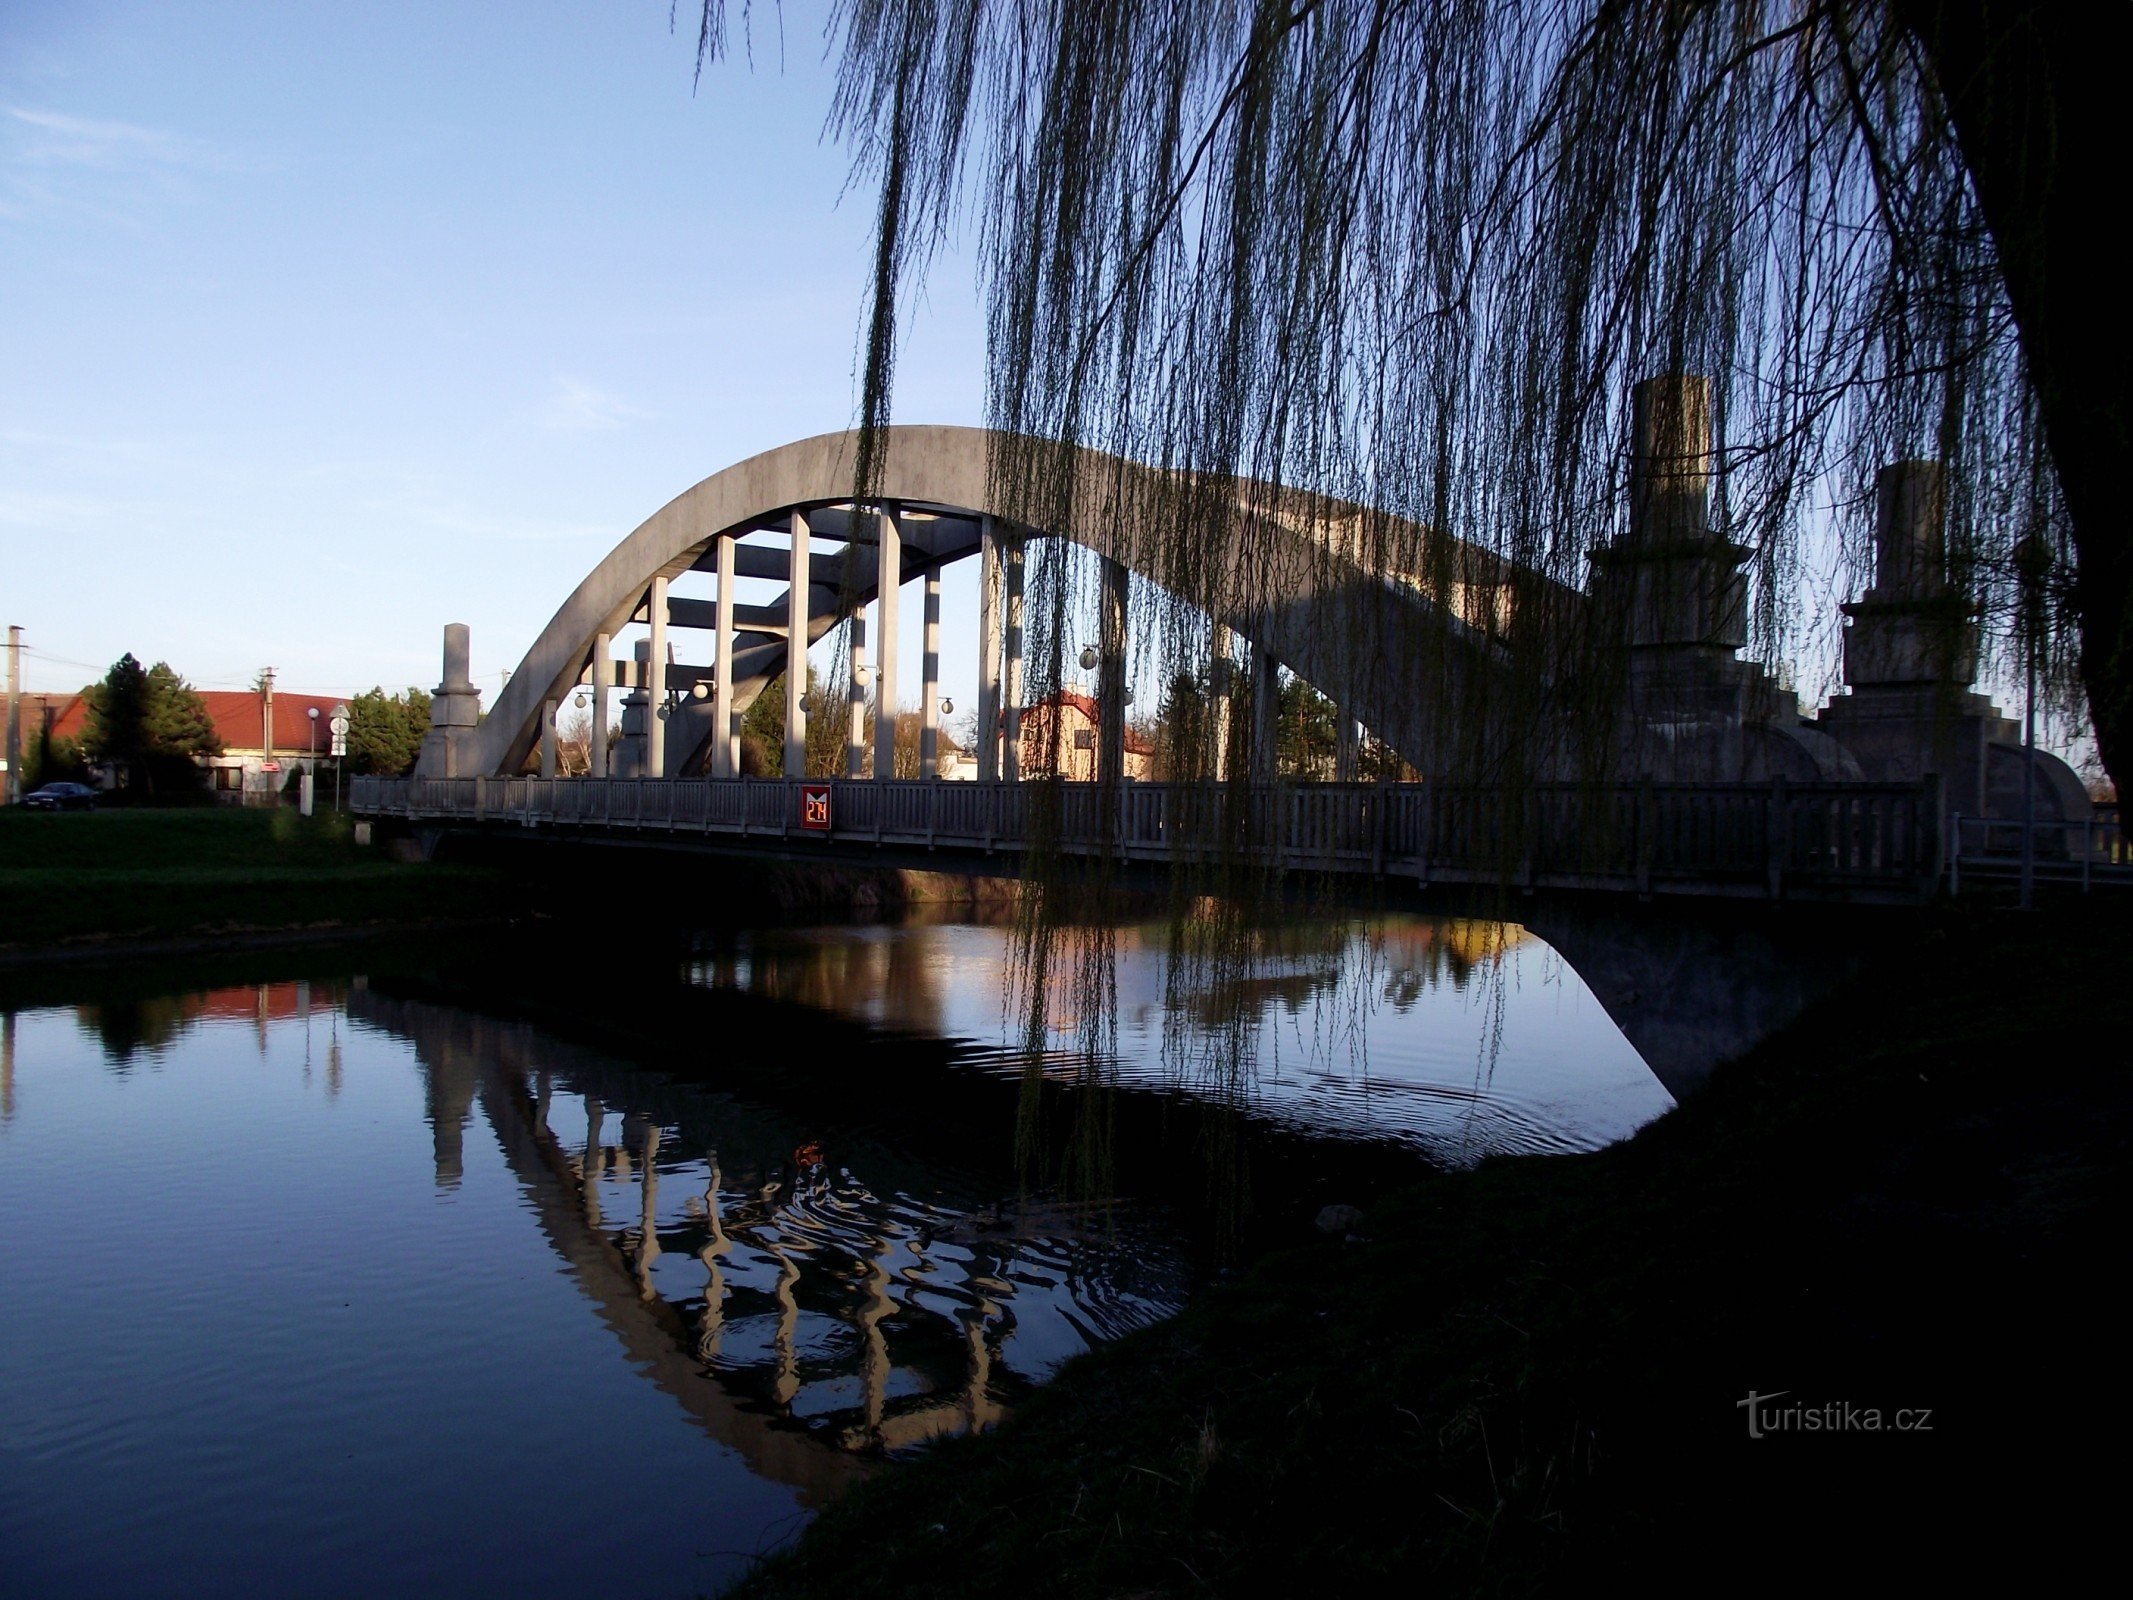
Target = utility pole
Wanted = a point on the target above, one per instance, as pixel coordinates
(14, 715)
(266, 711)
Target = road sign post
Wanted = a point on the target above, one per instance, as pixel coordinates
(337, 725)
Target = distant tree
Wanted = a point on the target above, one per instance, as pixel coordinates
(1306, 731)
(573, 744)
(149, 725)
(763, 732)
(385, 731)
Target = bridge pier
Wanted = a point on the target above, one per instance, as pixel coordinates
(855, 733)
(725, 732)
(655, 683)
(929, 700)
(797, 610)
(1016, 565)
(988, 750)
(603, 680)
(548, 715)
(1266, 702)
(888, 582)
(1221, 679)
(1111, 672)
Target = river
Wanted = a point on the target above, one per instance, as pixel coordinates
(387, 1278)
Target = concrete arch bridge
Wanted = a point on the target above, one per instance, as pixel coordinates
(1453, 658)
(1286, 572)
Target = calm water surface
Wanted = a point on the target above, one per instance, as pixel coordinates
(330, 1288)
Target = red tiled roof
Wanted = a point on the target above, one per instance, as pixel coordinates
(239, 721)
(236, 713)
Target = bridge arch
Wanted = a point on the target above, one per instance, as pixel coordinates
(1313, 602)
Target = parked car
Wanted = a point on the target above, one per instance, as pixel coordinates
(61, 797)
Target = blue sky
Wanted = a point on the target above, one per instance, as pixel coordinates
(327, 325)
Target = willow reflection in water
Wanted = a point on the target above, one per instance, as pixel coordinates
(1462, 1039)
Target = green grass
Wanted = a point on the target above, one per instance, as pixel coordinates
(1530, 1375)
(148, 838)
(151, 874)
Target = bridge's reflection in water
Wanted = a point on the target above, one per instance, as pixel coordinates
(810, 1305)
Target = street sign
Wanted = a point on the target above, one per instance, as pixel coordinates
(338, 726)
(815, 807)
(270, 766)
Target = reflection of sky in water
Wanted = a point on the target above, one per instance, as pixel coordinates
(310, 1289)
(1462, 1039)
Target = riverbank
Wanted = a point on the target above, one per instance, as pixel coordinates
(1901, 1220)
(90, 886)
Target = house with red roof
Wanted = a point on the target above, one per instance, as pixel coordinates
(256, 758)
(1074, 719)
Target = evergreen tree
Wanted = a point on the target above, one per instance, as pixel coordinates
(150, 725)
(385, 731)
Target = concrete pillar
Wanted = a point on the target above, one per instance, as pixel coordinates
(889, 581)
(1266, 695)
(603, 681)
(988, 751)
(796, 609)
(630, 749)
(1014, 563)
(1670, 458)
(454, 708)
(1114, 587)
(725, 743)
(929, 675)
(1910, 552)
(548, 712)
(655, 724)
(1344, 748)
(1221, 678)
(855, 735)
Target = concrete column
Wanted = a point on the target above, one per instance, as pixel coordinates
(796, 609)
(725, 746)
(548, 711)
(1115, 586)
(1221, 677)
(855, 736)
(655, 723)
(1266, 692)
(630, 749)
(988, 751)
(1670, 458)
(889, 581)
(1344, 748)
(1014, 562)
(929, 673)
(603, 681)
(1910, 554)
(454, 708)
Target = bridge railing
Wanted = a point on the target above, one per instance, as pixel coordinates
(1744, 839)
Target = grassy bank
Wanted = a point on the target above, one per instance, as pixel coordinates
(98, 879)
(1913, 1200)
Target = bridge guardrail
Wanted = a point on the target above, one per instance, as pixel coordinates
(1768, 839)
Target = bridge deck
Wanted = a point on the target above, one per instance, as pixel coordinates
(1854, 842)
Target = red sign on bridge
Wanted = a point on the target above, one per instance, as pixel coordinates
(815, 807)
